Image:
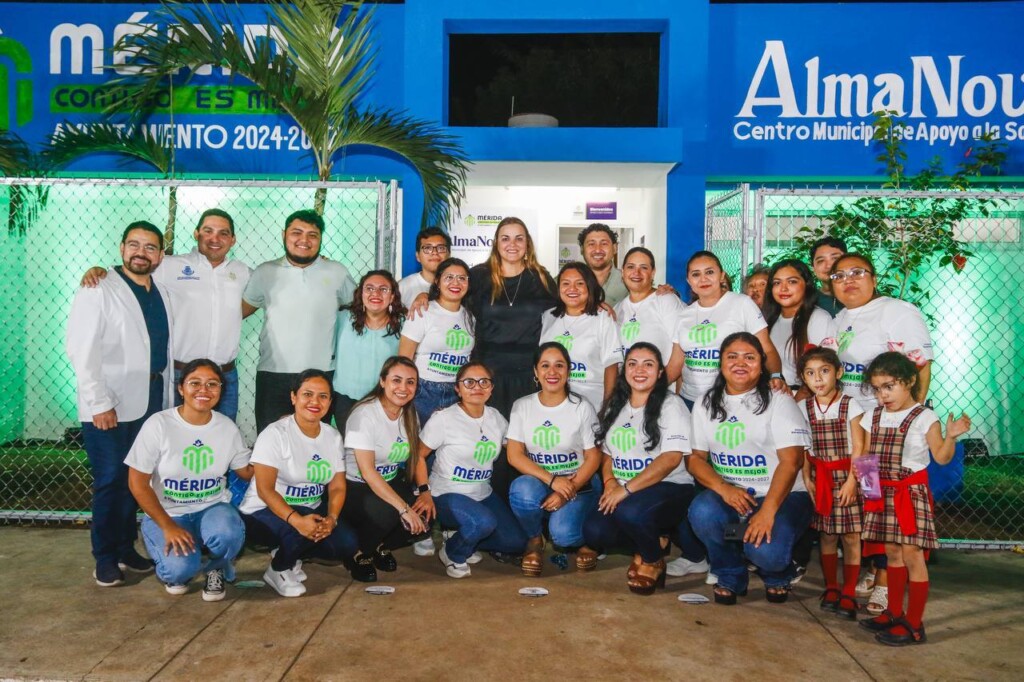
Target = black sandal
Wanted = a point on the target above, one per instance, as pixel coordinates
(847, 607)
(727, 597)
(829, 600)
(911, 636)
(875, 625)
(778, 594)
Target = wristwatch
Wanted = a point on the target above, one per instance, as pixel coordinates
(425, 488)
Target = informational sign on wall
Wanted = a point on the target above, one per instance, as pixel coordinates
(472, 232)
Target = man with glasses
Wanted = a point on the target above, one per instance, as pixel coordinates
(119, 344)
(300, 295)
(825, 252)
(433, 245)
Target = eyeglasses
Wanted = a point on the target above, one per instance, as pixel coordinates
(852, 273)
(473, 383)
(382, 290)
(139, 246)
(196, 384)
(461, 279)
(440, 249)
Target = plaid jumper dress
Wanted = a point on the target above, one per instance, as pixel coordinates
(831, 459)
(901, 488)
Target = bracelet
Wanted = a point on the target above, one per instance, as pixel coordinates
(625, 486)
(776, 375)
(287, 518)
(605, 481)
(404, 512)
(552, 481)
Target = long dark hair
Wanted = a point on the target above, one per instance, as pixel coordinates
(772, 310)
(712, 256)
(554, 345)
(408, 416)
(435, 287)
(595, 294)
(396, 312)
(620, 396)
(714, 399)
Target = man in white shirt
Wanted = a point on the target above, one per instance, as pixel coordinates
(300, 294)
(205, 290)
(600, 245)
(433, 245)
(119, 344)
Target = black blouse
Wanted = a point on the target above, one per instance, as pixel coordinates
(508, 330)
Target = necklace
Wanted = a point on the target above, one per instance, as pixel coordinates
(518, 283)
(478, 421)
(827, 407)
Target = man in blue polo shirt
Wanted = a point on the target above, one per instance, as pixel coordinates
(119, 344)
(300, 295)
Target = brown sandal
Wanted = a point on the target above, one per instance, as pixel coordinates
(533, 557)
(586, 559)
(646, 584)
(633, 566)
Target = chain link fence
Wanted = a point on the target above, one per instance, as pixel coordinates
(58, 228)
(977, 325)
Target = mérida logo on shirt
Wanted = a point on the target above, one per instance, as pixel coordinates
(630, 330)
(704, 333)
(731, 433)
(624, 437)
(197, 457)
(547, 435)
(485, 450)
(566, 340)
(318, 470)
(399, 451)
(457, 338)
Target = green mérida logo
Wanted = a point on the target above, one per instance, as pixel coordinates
(630, 330)
(197, 457)
(704, 333)
(22, 62)
(457, 338)
(318, 470)
(623, 438)
(845, 338)
(731, 433)
(566, 340)
(485, 451)
(547, 435)
(399, 451)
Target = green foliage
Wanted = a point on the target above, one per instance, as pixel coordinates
(71, 141)
(903, 232)
(24, 201)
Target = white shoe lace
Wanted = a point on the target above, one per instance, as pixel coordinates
(215, 581)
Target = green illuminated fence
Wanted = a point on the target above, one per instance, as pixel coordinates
(62, 227)
(977, 326)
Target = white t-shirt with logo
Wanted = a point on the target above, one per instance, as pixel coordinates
(700, 333)
(445, 341)
(743, 449)
(465, 449)
(832, 412)
(304, 465)
(188, 463)
(916, 455)
(554, 437)
(626, 441)
(864, 333)
(369, 428)
(593, 345)
(653, 320)
(819, 327)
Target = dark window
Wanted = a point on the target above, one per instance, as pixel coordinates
(582, 79)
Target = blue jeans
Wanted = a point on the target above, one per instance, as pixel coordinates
(709, 515)
(219, 528)
(340, 545)
(639, 522)
(432, 396)
(114, 529)
(488, 525)
(565, 526)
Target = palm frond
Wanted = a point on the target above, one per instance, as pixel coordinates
(71, 141)
(15, 156)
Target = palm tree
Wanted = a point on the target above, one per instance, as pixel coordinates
(324, 63)
(24, 201)
(72, 141)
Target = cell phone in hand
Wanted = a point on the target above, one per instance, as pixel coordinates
(735, 531)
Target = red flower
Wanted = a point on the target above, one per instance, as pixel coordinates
(959, 262)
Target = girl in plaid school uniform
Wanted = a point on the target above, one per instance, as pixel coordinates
(834, 419)
(901, 432)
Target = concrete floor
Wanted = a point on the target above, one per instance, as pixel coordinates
(56, 624)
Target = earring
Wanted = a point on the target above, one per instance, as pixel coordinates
(536, 380)
(389, 307)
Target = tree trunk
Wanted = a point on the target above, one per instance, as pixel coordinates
(172, 216)
(320, 200)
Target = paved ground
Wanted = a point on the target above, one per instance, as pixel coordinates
(56, 624)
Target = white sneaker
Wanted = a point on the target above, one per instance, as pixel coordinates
(712, 579)
(453, 569)
(214, 589)
(284, 583)
(424, 547)
(475, 558)
(297, 573)
(680, 567)
(176, 590)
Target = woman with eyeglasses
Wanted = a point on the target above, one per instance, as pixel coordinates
(384, 470)
(794, 319)
(466, 439)
(872, 324)
(551, 442)
(176, 472)
(586, 331)
(440, 340)
(368, 334)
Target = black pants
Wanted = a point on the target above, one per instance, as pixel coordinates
(340, 407)
(509, 386)
(375, 521)
(274, 399)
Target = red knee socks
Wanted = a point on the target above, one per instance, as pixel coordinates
(916, 601)
(897, 588)
(829, 562)
(850, 575)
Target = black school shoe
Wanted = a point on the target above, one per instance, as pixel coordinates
(108, 574)
(362, 569)
(384, 560)
(911, 636)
